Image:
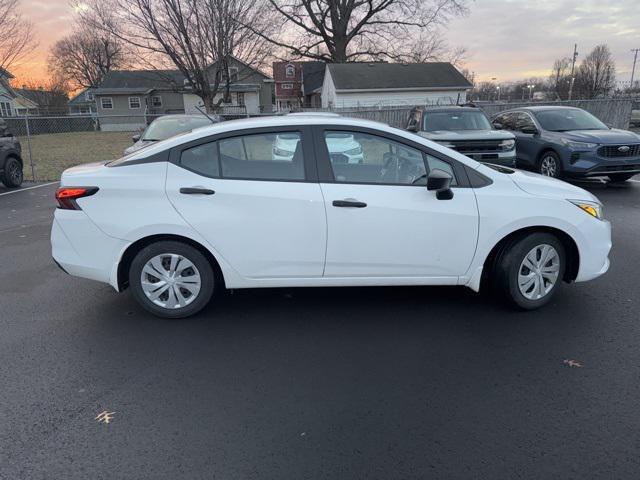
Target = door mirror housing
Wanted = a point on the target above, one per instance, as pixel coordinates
(440, 181)
(529, 129)
(135, 138)
(498, 125)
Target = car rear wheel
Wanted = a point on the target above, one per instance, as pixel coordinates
(620, 177)
(171, 279)
(529, 271)
(549, 165)
(12, 175)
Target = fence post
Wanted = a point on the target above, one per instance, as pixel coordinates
(33, 169)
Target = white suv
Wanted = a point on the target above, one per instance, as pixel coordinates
(215, 208)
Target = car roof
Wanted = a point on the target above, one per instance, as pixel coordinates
(539, 108)
(182, 116)
(450, 108)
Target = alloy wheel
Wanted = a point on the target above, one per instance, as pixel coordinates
(538, 272)
(170, 281)
(14, 173)
(549, 166)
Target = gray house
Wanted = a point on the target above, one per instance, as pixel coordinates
(83, 103)
(127, 100)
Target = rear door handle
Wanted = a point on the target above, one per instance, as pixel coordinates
(196, 190)
(349, 203)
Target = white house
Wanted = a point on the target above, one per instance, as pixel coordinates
(374, 84)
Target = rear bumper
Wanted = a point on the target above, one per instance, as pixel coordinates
(81, 249)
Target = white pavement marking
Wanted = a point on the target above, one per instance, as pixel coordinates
(28, 188)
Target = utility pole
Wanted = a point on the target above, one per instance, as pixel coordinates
(633, 71)
(573, 66)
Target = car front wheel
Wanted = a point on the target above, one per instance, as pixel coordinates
(529, 271)
(12, 176)
(171, 279)
(549, 165)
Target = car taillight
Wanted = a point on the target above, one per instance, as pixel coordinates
(67, 196)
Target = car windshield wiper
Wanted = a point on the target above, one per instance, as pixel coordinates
(151, 139)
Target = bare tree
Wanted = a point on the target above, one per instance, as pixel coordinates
(560, 78)
(351, 30)
(198, 37)
(51, 95)
(84, 57)
(597, 73)
(16, 33)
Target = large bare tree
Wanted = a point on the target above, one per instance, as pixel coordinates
(351, 30)
(16, 35)
(198, 37)
(560, 78)
(597, 73)
(85, 56)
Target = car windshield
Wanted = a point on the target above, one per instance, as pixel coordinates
(163, 128)
(464, 120)
(564, 120)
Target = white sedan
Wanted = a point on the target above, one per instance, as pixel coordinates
(213, 209)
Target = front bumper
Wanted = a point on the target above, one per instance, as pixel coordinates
(594, 249)
(506, 159)
(590, 164)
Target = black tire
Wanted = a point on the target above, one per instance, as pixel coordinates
(12, 175)
(508, 267)
(169, 247)
(550, 165)
(620, 177)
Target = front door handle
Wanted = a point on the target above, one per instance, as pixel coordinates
(196, 190)
(349, 203)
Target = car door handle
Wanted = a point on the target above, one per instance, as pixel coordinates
(196, 190)
(349, 203)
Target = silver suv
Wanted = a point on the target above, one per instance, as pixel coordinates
(465, 129)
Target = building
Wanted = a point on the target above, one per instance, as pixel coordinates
(47, 102)
(287, 77)
(348, 85)
(127, 99)
(83, 103)
(11, 102)
(312, 80)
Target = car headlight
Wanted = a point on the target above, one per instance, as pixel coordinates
(578, 145)
(507, 144)
(354, 151)
(592, 208)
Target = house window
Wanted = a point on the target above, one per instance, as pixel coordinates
(106, 103)
(134, 102)
(5, 109)
(290, 71)
(287, 86)
(156, 101)
(233, 74)
(240, 98)
(89, 96)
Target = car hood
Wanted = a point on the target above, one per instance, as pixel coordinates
(440, 135)
(543, 186)
(139, 145)
(613, 136)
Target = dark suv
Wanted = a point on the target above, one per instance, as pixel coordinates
(570, 142)
(10, 159)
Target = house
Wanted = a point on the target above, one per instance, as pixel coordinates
(83, 103)
(11, 102)
(312, 80)
(47, 102)
(290, 80)
(127, 99)
(374, 84)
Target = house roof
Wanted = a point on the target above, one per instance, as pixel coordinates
(139, 81)
(312, 76)
(80, 99)
(396, 76)
(42, 97)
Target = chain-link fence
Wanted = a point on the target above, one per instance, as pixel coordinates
(50, 144)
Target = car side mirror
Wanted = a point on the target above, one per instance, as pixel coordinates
(440, 181)
(498, 125)
(530, 130)
(135, 138)
(412, 127)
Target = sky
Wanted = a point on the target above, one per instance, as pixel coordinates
(506, 39)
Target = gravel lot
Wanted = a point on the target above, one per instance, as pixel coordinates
(377, 383)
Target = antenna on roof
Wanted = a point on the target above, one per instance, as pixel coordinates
(203, 112)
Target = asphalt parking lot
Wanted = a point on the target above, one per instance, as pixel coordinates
(377, 383)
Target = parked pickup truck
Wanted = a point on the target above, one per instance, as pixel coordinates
(466, 129)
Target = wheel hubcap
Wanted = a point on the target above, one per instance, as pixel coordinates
(548, 166)
(538, 272)
(15, 172)
(170, 281)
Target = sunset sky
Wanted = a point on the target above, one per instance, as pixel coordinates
(506, 39)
